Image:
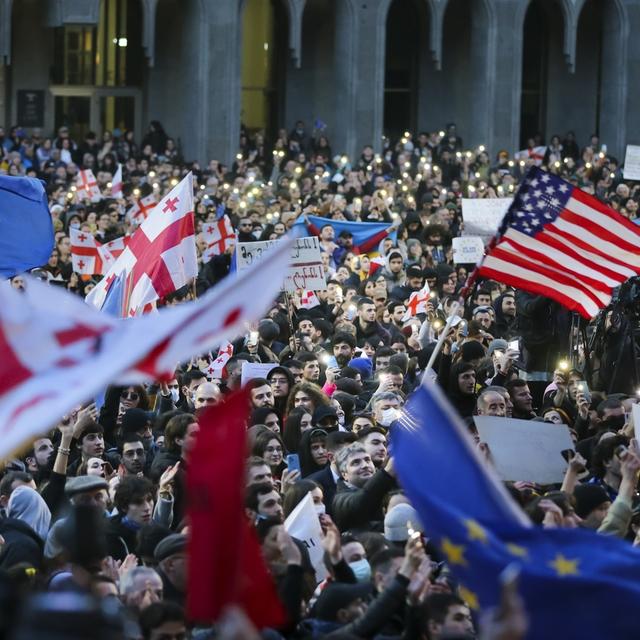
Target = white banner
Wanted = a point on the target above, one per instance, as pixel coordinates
(303, 523)
(305, 270)
(632, 163)
(482, 216)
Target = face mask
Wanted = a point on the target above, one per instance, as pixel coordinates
(175, 395)
(320, 509)
(75, 225)
(388, 416)
(361, 570)
(341, 421)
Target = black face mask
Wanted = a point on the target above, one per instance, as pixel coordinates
(614, 423)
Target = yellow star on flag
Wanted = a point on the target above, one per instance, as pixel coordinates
(454, 552)
(517, 550)
(565, 566)
(475, 530)
(469, 597)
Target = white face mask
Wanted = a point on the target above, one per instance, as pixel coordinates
(320, 509)
(341, 421)
(175, 395)
(387, 417)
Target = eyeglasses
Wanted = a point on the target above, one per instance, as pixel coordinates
(130, 395)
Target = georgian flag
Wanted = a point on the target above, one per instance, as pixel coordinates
(160, 256)
(417, 303)
(534, 153)
(140, 211)
(309, 300)
(87, 186)
(89, 257)
(219, 236)
(216, 368)
(57, 352)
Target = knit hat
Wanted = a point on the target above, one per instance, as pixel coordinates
(498, 344)
(472, 350)
(363, 365)
(414, 271)
(135, 420)
(397, 521)
(170, 546)
(589, 497)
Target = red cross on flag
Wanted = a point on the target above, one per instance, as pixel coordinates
(140, 211)
(116, 247)
(87, 186)
(309, 300)
(116, 183)
(417, 303)
(534, 153)
(88, 256)
(160, 256)
(56, 351)
(216, 368)
(219, 236)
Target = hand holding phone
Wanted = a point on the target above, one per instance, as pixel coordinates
(293, 462)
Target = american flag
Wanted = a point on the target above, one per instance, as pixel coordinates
(560, 242)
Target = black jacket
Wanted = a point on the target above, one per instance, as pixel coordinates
(22, 544)
(325, 479)
(361, 509)
(121, 539)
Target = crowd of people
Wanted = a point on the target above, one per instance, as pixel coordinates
(93, 534)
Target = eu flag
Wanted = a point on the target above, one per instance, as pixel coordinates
(575, 583)
(26, 229)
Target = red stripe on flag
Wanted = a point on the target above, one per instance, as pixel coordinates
(599, 231)
(12, 371)
(594, 203)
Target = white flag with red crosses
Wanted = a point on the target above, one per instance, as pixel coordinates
(417, 303)
(219, 236)
(89, 257)
(160, 256)
(309, 300)
(87, 186)
(216, 368)
(140, 211)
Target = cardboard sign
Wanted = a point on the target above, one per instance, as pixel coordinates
(631, 169)
(303, 523)
(305, 270)
(251, 370)
(468, 250)
(524, 449)
(482, 216)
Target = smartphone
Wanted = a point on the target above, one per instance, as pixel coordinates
(351, 312)
(293, 462)
(568, 454)
(330, 361)
(583, 388)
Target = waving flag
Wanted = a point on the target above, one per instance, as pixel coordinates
(116, 183)
(56, 351)
(309, 300)
(26, 230)
(216, 368)
(87, 186)
(577, 582)
(366, 235)
(140, 211)
(219, 237)
(560, 242)
(417, 303)
(89, 257)
(160, 256)
(534, 153)
(117, 246)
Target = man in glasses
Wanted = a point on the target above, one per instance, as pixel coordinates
(245, 230)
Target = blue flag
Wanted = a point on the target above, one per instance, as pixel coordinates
(575, 583)
(26, 229)
(114, 300)
(362, 231)
(220, 210)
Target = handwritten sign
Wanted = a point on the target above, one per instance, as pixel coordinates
(632, 163)
(305, 270)
(468, 250)
(524, 449)
(482, 216)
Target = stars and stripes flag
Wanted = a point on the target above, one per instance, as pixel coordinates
(219, 236)
(116, 183)
(417, 303)
(87, 186)
(140, 211)
(558, 241)
(160, 256)
(90, 257)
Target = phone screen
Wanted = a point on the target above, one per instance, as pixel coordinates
(293, 462)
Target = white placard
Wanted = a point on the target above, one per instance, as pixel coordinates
(635, 412)
(303, 523)
(482, 216)
(467, 250)
(526, 449)
(251, 370)
(305, 271)
(631, 169)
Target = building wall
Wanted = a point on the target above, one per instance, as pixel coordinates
(470, 69)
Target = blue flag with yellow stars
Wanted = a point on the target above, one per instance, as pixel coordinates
(575, 583)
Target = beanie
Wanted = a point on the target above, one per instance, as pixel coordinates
(398, 520)
(589, 497)
(472, 350)
(363, 365)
